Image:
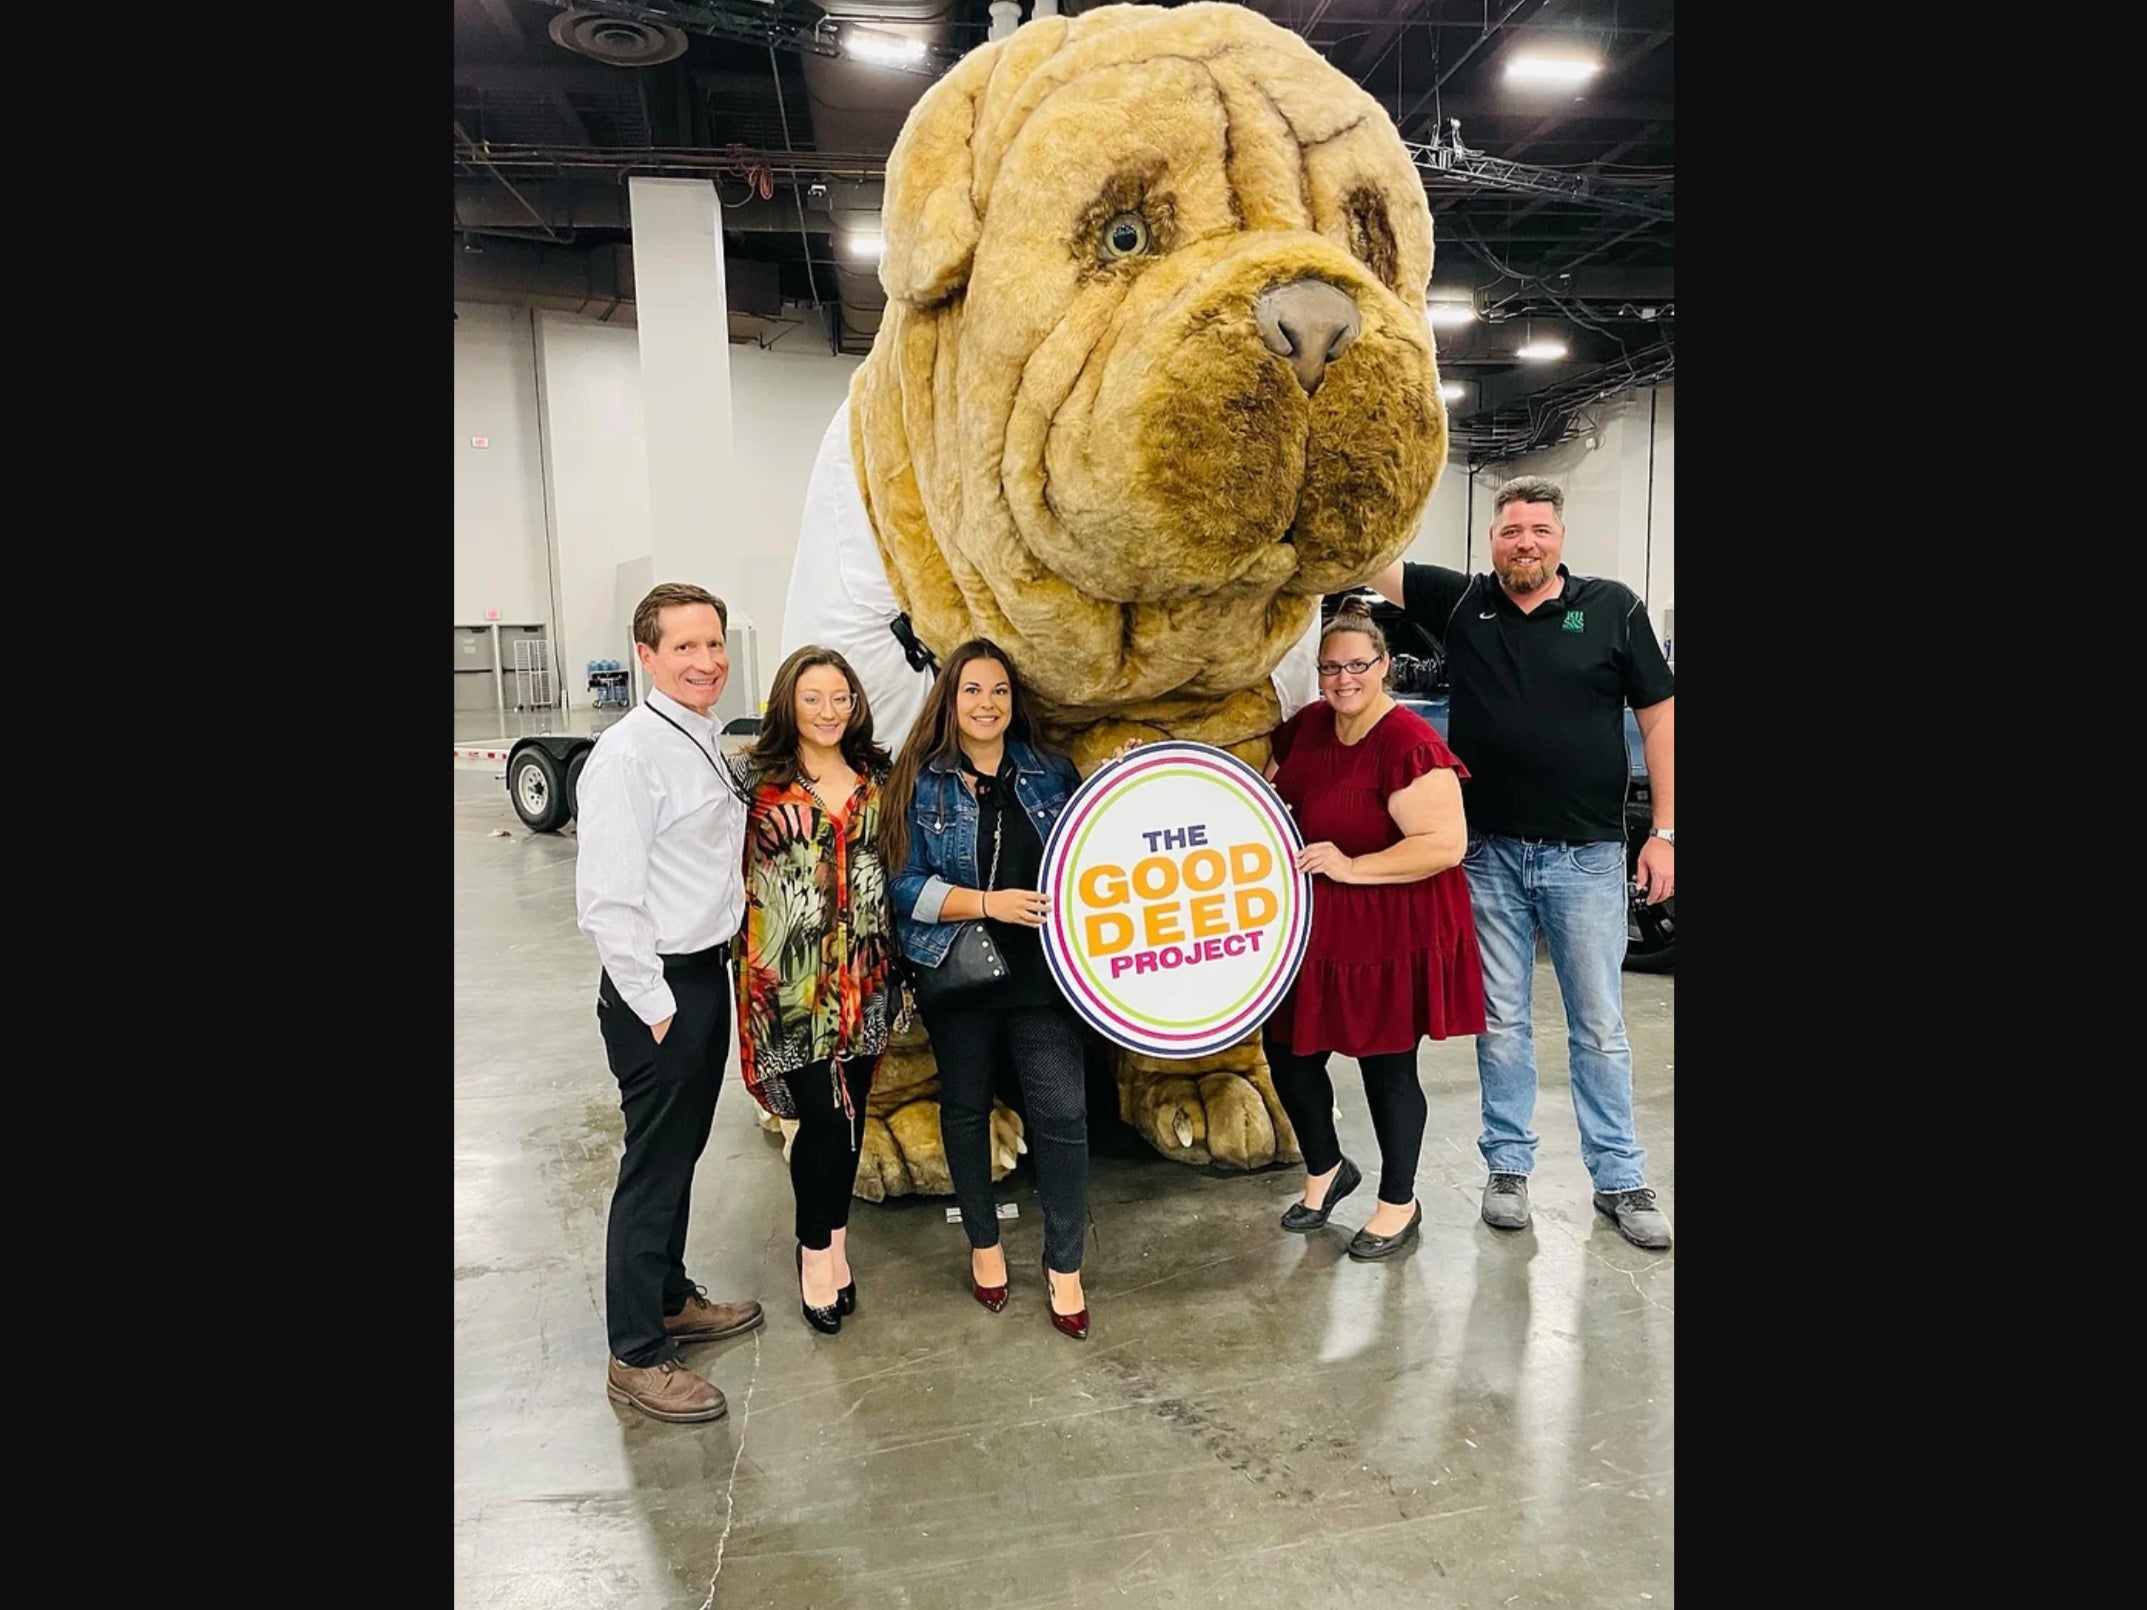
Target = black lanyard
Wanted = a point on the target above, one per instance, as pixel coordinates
(738, 790)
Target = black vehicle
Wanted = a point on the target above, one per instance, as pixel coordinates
(1419, 681)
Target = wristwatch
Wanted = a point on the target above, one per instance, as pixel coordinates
(1667, 834)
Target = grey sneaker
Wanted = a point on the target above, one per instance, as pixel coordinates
(1639, 1220)
(1506, 1202)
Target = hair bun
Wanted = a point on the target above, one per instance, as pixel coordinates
(1355, 604)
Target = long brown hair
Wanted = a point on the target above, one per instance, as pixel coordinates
(936, 734)
(774, 755)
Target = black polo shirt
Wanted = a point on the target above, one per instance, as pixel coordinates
(1538, 700)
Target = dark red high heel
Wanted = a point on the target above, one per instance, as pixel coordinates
(992, 1297)
(1074, 1325)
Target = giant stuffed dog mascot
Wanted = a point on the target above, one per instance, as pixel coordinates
(1154, 376)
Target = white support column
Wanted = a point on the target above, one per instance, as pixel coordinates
(684, 320)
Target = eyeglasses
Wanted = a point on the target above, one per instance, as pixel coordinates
(842, 704)
(1353, 667)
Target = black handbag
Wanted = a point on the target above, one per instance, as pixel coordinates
(973, 966)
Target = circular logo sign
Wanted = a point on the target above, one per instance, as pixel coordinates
(1178, 916)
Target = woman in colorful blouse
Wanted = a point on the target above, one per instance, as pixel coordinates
(815, 985)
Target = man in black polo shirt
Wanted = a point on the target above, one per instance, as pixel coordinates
(1542, 664)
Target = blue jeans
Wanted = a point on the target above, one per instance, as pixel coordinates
(1576, 898)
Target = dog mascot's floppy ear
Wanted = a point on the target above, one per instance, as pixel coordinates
(929, 214)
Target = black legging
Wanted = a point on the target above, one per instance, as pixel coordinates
(1044, 1043)
(1390, 1089)
(823, 1153)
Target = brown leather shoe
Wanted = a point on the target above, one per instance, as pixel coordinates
(703, 1321)
(666, 1391)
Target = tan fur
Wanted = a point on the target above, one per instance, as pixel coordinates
(1098, 463)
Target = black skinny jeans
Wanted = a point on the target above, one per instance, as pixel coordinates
(823, 1153)
(1044, 1043)
(1391, 1090)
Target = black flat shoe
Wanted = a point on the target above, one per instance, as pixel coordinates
(1366, 1247)
(1303, 1220)
(827, 1321)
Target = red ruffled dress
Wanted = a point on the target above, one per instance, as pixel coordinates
(1387, 963)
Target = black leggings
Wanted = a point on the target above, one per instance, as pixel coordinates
(1390, 1089)
(823, 1153)
(1044, 1044)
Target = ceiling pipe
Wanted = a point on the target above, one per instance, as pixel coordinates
(812, 280)
(565, 205)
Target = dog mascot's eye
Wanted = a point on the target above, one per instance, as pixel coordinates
(1125, 236)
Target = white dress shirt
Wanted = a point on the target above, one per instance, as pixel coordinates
(660, 870)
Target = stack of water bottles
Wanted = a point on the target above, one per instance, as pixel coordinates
(608, 680)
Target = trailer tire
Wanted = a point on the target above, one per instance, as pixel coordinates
(539, 792)
(574, 770)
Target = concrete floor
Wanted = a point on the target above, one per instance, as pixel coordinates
(1255, 1420)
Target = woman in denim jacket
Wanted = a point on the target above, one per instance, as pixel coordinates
(970, 802)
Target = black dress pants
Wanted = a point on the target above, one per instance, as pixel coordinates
(668, 1093)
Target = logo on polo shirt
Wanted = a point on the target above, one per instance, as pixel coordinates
(1576, 620)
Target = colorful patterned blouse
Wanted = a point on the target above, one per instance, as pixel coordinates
(814, 957)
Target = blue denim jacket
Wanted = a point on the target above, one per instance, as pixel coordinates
(943, 842)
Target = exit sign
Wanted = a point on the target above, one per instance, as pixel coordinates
(480, 441)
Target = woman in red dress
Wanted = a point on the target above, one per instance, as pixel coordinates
(1392, 956)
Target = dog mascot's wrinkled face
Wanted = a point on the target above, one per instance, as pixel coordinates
(1155, 373)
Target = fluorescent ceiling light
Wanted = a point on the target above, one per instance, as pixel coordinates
(1552, 69)
(888, 50)
(1537, 351)
(864, 243)
(1451, 390)
(1449, 313)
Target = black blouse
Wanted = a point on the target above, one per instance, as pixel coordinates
(1021, 864)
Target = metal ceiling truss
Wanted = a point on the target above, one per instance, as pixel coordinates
(1441, 165)
(1450, 160)
(673, 162)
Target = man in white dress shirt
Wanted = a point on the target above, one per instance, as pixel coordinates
(659, 886)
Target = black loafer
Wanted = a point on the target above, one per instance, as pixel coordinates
(1302, 1220)
(1366, 1247)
